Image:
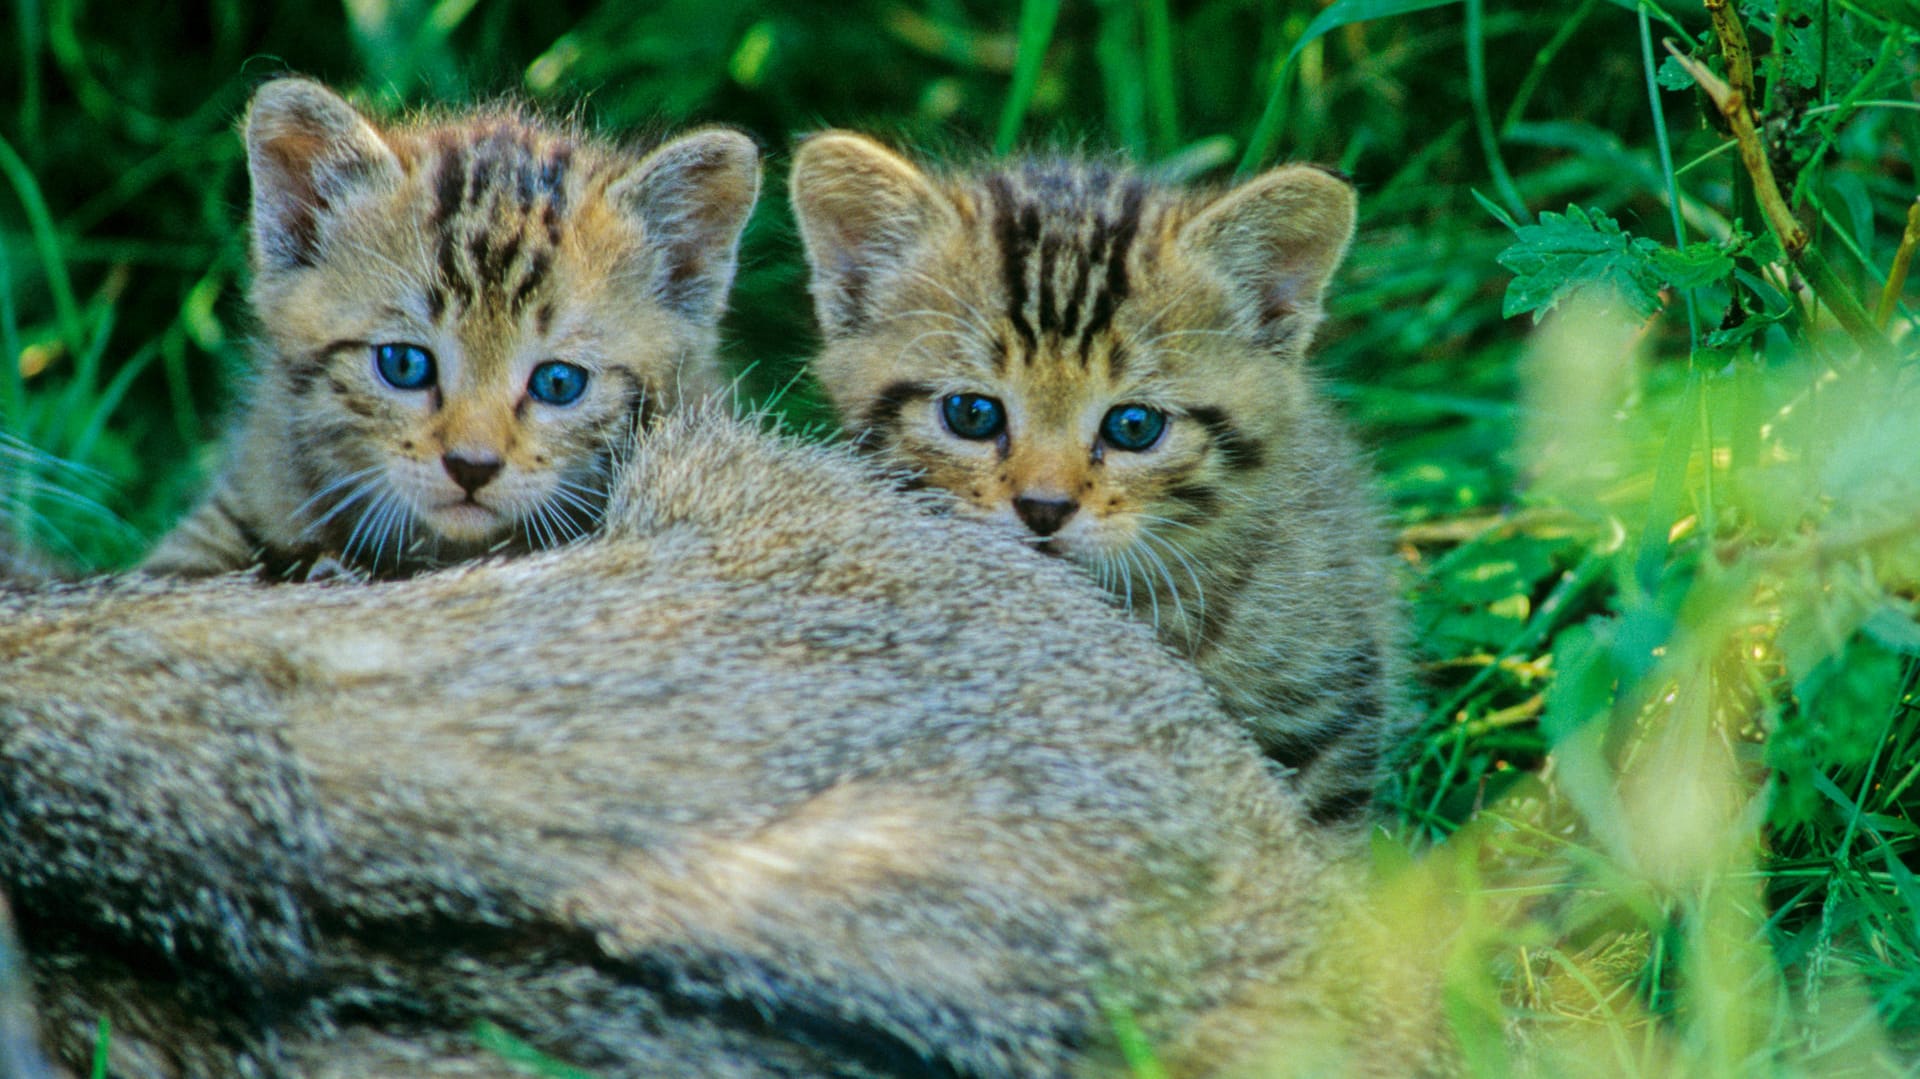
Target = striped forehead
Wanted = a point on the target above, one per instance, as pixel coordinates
(499, 204)
(1064, 232)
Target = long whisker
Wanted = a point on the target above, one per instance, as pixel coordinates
(371, 486)
(383, 528)
(1153, 593)
(360, 526)
(1165, 521)
(347, 480)
(1147, 553)
(1193, 572)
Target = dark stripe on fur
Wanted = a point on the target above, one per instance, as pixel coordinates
(1296, 749)
(640, 403)
(1333, 807)
(1014, 233)
(530, 281)
(884, 413)
(1237, 451)
(1204, 499)
(303, 371)
(448, 187)
(1047, 320)
(1117, 284)
(452, 278)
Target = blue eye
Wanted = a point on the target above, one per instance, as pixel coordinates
(404, 367)
(1133, 427)
(557, 383)
(971, 415)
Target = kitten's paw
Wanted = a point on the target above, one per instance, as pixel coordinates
(328, 569)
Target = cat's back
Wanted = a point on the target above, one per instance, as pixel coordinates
(782, 767)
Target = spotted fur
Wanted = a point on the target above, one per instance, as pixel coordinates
(1062, 289)
(497, 243)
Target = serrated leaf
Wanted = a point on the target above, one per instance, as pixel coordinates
(1764, 249)
(1672, 76)
(1570, 251)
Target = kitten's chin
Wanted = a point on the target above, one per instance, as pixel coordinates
(466, 522)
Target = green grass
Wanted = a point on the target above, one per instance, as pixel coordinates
(1662, 562)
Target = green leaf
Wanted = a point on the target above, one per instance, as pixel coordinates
(1690, 267)
(1567, 252)
(1671, 76)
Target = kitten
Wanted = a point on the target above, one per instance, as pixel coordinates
(1116, 368)
(459, 320)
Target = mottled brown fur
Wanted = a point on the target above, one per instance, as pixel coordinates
(1062, 289)
(495, 242)
(759, 781)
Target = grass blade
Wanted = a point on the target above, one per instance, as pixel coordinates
(1483, 113)
(47, 240)
(1037, 20)
(1160, 87)
(1340, 13)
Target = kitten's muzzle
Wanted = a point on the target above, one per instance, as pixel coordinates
(1044, 515)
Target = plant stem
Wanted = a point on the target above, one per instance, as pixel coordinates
(1897, 276)
(1732, 104)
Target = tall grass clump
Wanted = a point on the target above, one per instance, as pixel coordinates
(1627, 323)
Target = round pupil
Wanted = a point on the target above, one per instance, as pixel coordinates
(404, 367)
(970, 415)
(1134, 427)
(558, 383)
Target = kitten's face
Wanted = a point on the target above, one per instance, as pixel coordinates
(1077, 354)
(464, 321)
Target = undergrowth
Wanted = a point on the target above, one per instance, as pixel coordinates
(1646, 416)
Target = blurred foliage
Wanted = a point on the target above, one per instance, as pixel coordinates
(1662, 553)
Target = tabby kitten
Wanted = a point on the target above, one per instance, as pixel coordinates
(1116, 368)
(459, 321)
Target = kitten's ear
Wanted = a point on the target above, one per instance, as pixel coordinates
(307, 150)
(691, 198)
(863, 209)
(1276, 239)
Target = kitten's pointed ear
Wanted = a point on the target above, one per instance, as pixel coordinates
(691, 198)
(862, 210)
(1275, 240)
(307, 151)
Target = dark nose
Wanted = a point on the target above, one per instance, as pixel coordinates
(471, 472)
(1045, 515)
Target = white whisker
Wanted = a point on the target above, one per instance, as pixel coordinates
(347, 480)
